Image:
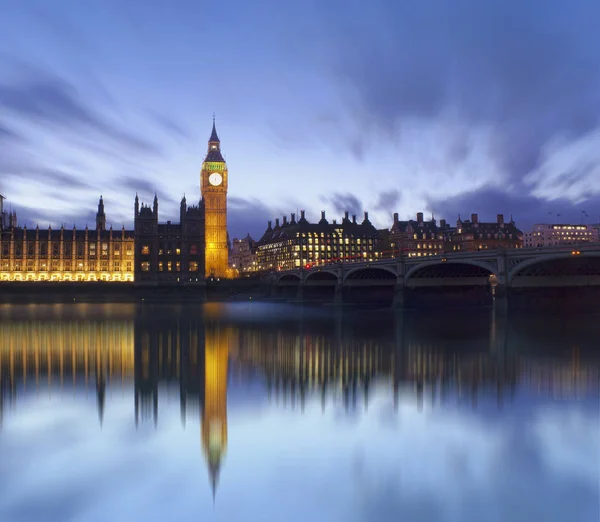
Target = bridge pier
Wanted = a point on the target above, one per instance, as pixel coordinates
(338, 297)
(398, 299)
(300, 293)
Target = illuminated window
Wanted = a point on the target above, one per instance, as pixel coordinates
(169, 266)
(160, 266)
(193, 266)
(145, 250)
(178, 251)
(145, 266)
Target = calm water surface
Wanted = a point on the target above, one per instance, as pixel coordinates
(262, 412)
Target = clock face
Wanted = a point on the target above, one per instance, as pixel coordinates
(215, 179)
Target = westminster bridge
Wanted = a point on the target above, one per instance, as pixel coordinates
(479, 277)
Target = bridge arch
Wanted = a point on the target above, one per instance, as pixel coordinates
(552, 259)
(386, 271)
(321, 275)
(288, 278)
(484, 265)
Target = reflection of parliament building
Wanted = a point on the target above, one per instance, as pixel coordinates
(170, 252)
(295, 365)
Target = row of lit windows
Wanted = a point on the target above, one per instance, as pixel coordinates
(55, 266)
(169, 266)
(145, 250)
(45, 248)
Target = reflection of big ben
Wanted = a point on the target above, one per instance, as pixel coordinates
(214, 413)
(213, 184)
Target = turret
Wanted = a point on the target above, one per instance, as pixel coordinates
(137, 205)
(100, 216)
(182, 209)
(155, 206)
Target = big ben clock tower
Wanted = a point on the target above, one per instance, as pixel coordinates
(213, 185)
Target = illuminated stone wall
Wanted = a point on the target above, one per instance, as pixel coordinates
(66, 255)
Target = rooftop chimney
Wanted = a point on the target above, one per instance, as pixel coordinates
(293, 217)
(353, 218)
(346, 215)
(366, 216)
(285, 220)
(419, 217)
(474, 219)
(270, 223)
(395, 217)
(302, 214)
(500, 219)
(276, 222)
(322, 214)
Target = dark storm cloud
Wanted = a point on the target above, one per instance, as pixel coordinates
(248, 216)
(43, 98)
(388, 200)
(525, 209)
(344, 202)
(530, 71)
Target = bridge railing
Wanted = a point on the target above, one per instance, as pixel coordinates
(402, 254)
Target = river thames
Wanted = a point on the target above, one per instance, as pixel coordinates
(267, 412)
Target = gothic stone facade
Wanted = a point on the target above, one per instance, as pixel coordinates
(169, 252)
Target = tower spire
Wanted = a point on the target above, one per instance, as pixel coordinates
(213, 135)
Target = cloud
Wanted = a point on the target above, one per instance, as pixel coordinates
(47, 176)
(43, 98)
(388, 200)
(526, 209)
(526, 71)
(33, 216)
(170, 125)
(344, 202)
(248, 216)
(146, 189)
(7, 134)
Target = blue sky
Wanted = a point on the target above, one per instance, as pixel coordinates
(401, 107)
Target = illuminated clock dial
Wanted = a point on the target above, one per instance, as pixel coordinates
(215, 179)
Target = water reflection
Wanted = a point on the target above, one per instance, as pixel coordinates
(342, 361)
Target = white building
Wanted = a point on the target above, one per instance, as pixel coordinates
(243, 255)
(556, 235)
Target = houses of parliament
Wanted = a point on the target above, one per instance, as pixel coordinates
(153, 252)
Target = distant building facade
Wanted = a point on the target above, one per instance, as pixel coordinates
(473, 235)
(242, 258)
(291, 244)
(67, 255)
(416, 238)
(169, 252)
(544, 235)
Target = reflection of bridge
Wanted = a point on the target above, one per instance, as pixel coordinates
(492, 271)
